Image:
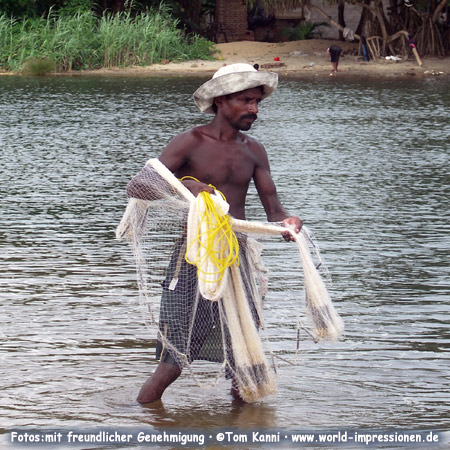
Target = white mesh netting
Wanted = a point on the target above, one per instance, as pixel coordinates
(210, 308)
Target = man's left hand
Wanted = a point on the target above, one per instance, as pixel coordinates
(295, 224)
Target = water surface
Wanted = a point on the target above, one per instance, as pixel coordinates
(364, 163)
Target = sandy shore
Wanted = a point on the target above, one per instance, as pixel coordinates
(297, 59)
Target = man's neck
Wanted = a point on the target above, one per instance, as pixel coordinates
(223, 131)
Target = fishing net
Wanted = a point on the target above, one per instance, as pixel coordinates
(202, 280)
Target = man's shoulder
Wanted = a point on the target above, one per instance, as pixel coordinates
(252, 143)
(186, 138)
(192, 133)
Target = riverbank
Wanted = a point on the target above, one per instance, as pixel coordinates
(297, 59)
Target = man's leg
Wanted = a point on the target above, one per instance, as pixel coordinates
(234, 391)
(153, 389)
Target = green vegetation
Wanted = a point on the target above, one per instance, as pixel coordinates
(39, 66)
(306, 30)
(81, 40)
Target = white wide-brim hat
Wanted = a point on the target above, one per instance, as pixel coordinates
(231, 79)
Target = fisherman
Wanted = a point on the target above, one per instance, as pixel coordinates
(218, 154)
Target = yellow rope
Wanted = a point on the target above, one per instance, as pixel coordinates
(218, 243)
(187, 177)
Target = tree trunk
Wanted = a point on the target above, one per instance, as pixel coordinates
(438, 9)
(330, 20)
(381, 20)
(363, 19)
(192, 9)
(341, 19)
(378, 11)
(396, 21)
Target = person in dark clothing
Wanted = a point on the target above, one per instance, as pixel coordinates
(334, 51)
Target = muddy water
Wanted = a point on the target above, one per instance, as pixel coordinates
(364, 163)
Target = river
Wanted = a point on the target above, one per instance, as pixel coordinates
(365, 163)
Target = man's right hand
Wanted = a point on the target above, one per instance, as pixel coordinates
(197, 186)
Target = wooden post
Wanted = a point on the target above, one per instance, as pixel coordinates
(419, 61)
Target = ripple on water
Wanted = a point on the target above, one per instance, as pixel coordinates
(365, 165)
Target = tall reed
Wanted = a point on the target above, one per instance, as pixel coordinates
(81, 40)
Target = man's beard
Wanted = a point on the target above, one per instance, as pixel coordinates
(245, 125)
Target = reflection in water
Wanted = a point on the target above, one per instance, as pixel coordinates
(365, 165)
(214, 415)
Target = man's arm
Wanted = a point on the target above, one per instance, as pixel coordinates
(267, 192)
(174, 157)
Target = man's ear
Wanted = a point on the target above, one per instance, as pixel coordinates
(219, 101)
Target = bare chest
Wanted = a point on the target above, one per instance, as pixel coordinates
(224, 166)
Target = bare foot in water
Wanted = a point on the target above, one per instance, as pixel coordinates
(234, 391)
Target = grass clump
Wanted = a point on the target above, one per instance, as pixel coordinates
(83, 41)
(70, 41)
(39, 66)
(147, 38)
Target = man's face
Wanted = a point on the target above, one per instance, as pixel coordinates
(241, 108)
